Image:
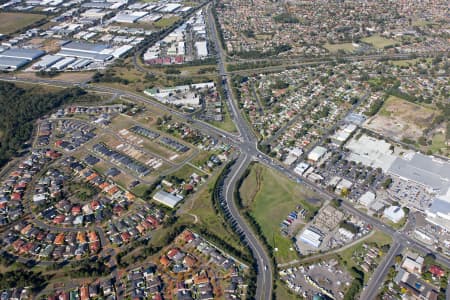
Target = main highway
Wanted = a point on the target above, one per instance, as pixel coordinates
(264, 284)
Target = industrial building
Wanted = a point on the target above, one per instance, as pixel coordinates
(28, 54)
(15, 58)
(371, 152)
(170, 7)
(95, 52)
(311, 236)
(343, 134)
(439, 213)
(62, 64)
(367, 199)
(167, 199)
(394, 213)
(129, 17)
(47, 61)
(11, 64)
(426, 170)
(317, 153)
(301, 168)
(202, 49)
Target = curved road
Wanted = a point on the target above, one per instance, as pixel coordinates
(264, 284)
(264, 263)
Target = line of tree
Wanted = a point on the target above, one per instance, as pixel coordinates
(286, 18)
(253, 223)
(23, 278)
(253, 65)
(109, 76)
(356, 285)
(256, 54)
(95, 267)
(375, 107)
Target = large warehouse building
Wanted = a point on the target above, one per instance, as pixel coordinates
(11, 64)
(15, 58)
(311, 236)
(95, 52)
(167, 199)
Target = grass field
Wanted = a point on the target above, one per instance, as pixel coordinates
(140, 189)
(201, 206)
(76, 77)
(438, 145)
(138, 82)
(409, 62)
(12, 22)
(379, 42)
(201, 158)
(166, 22)
(270, 197)
(227, 124)
(185, 171)
(333, 48)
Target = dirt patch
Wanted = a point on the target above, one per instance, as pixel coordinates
(399, 119)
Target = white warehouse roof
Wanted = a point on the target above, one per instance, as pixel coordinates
(84, 47)
(202, 49)
(367, 198)
(28, 54)
(121, 51)
(311, 237)
(166, 199)
(12, 63)
(394, 213)
(47, 61)
(317, 153)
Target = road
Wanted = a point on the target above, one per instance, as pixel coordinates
(264, 263)
(264, 285)
(376, 281)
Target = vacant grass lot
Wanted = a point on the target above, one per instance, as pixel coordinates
(270, 197)
(166, 22)
(227, 124)
(333, 48)
(201, 206)
(379, 42)
(12, 22)
(186, 171)
(439, 145)
(410, 62)
(75, 77)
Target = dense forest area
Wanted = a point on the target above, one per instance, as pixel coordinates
(20, 107)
